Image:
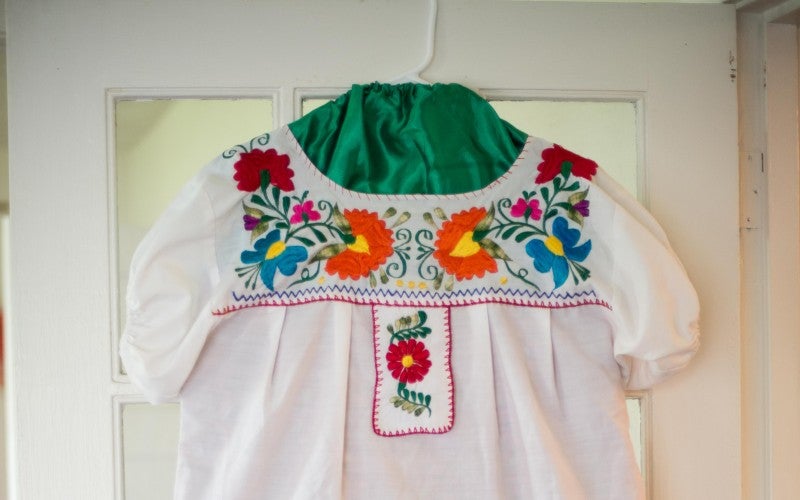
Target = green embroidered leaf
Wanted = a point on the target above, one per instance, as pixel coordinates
(257, 231)
(253, 212)
(389, 213)
(551, 213)
(411, 327)
(396, 401)
(582, 271)
(448, 285)
(400, 220)
(479, 235)
(404, 392)
(563, 204)
(578, 197)
(264, 176)
(281, 225)
(318, 234)
(486, 222)
(508, 232)
(440, 213)
(258, 200)
(384, 277)
(418, 411)
(305, 241)
(413, 396)
(523, 236)
(329, 251)
(427, 217)
(340, 220)
(576, 216)
(493, 249)
(557, 183)
(276, 193)
(286, 202)
(428, 400)
(572, 187)
(546, 194)
(437, 281)
(372, 281)
(566, 168)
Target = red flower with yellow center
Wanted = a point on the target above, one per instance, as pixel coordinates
(369, 246)
(457, 250)
(408, 361)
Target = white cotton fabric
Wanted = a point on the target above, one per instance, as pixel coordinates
(277, 395)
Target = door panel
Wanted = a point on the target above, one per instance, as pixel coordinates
(64, 388)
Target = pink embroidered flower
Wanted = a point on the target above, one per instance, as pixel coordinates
(252, 164)
(408, 361)
(304, 212)
(527, 209)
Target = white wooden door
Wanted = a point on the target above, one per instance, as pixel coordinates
(69, 64)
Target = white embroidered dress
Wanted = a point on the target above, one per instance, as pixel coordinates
(328, 344)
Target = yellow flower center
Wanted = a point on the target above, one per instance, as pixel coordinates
(407, 361)
(360, 245)
(465, 247)
(275, 249)
(555, 246)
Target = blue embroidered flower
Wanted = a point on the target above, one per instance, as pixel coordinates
(559, 253)
(271, 254)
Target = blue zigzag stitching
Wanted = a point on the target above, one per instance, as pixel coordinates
(405, 294)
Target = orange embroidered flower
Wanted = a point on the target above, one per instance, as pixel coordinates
(456, 249)
(370, 244)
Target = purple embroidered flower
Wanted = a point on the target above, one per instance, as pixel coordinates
(527, 209)
(250, 222)
(582, 207)
(304, 212)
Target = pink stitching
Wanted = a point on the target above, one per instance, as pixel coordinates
(450, 383)
(373, 302)
(378, 378)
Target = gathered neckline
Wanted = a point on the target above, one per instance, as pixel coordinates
(484, 191)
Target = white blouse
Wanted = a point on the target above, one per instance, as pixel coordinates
(325, 343)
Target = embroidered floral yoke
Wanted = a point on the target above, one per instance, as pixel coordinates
(311, 331)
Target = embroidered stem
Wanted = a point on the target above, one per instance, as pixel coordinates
(411, 401)
(521, 275)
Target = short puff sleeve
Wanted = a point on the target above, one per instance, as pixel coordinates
(655, 305)
(172, 277)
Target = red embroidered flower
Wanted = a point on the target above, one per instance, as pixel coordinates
(370, 246)
(250, 165)
(557, 160)
(408, 361)
(457, 252)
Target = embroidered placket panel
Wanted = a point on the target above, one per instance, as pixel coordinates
(413, 375)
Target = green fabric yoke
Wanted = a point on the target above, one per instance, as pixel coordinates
(409, 139)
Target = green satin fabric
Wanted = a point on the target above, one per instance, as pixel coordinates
(409, 139)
